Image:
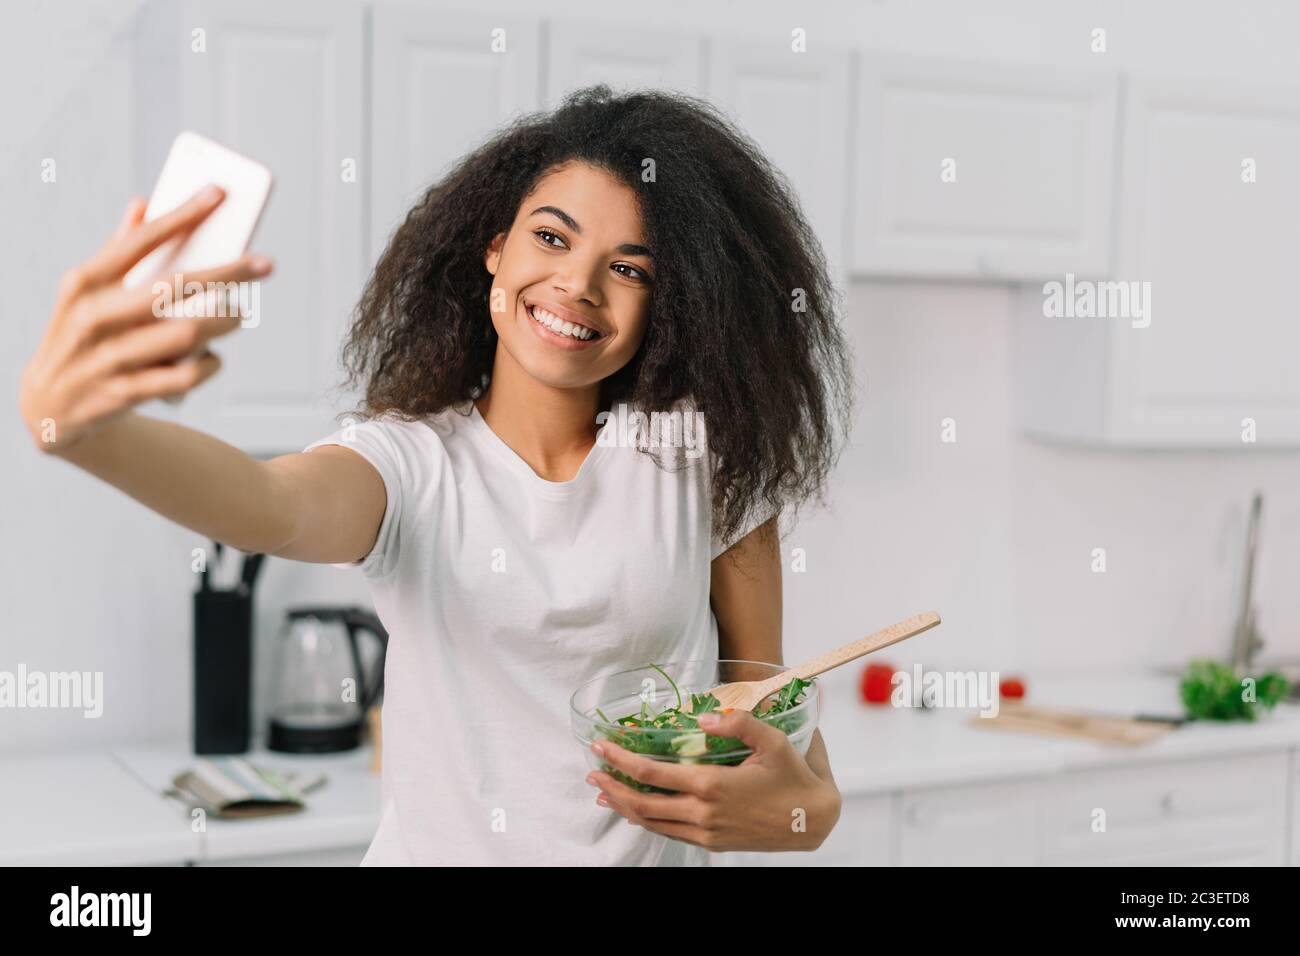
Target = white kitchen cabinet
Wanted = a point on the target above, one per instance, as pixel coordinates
(1222, 811)
(795, 106)
(864, 836)
(977, 825)
(442, 81)
(1215, 359)
(1293, 821)
(582, 53)
(281, 83)
(972, 170)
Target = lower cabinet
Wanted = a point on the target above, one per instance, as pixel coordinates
(862, 837)
(1241, 810)
(1230, 810)
(982, 825)
(1293, 774)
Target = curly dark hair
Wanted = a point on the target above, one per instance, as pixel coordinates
(734, 260)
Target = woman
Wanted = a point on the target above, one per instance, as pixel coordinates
(622, 252)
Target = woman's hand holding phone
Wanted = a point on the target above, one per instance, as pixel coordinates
(105, 351)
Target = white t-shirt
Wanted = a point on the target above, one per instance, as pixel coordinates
(501, 593)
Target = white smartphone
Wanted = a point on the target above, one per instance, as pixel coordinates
(193, 162)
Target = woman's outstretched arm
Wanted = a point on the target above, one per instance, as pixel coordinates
(105, 352)
(325, 506)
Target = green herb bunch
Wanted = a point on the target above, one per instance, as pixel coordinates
(675, 733)
(1212, 691)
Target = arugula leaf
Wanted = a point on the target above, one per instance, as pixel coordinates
(704, 703)
(672, 682)
(789, 696)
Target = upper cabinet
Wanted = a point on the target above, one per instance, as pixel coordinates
(976, 171)
(904, 166)
(581, 54)
(1209, 235)
(795, 106)
(441, 83)
(281, 83)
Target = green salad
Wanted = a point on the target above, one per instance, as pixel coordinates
(675, 733)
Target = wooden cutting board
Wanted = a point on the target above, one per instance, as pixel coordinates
(1072, 723)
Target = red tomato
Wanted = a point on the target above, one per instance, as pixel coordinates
(877, 683)
(1012, 687)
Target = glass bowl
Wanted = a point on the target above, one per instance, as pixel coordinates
(597, 705)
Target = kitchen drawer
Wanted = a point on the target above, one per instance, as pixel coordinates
(862, 837)
(982, 825)
(1221, 810)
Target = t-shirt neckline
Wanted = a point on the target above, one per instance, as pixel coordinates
(557, 489)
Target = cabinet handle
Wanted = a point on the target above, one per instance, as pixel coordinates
(917, 815)
(1167, 804)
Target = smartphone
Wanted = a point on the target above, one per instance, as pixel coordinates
(193, 162)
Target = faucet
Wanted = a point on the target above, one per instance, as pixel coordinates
(1246, 641)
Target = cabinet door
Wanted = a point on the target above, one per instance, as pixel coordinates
(862, 837)
(1214, 810)
(796, 108)
(282, 84)
(443, 80)
(582, 54)
(1293, 774)
(1219, 251)
(983, 825)
(971, 170)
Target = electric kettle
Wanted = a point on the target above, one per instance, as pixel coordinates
(323, 687)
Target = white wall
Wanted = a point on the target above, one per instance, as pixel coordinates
(995, 532)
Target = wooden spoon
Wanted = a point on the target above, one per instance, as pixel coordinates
(747, 694)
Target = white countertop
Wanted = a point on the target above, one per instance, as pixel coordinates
(99, 808)
(344, 812)
(874, 748)
(106, 807)
(85, 809)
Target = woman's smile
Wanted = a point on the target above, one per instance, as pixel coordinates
(547, 322)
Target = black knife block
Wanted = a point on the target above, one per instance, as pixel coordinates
(223, 671)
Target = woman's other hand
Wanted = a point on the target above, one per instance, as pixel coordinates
(772, 801)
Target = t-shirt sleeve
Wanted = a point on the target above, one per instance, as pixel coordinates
(761, 512)
(373, 441)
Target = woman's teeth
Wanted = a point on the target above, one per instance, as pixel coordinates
(559, 326)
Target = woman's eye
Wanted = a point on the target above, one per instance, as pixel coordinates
(539, 233)
(637, 274)
(641, 276)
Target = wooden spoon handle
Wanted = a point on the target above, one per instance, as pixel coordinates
(849, 652)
